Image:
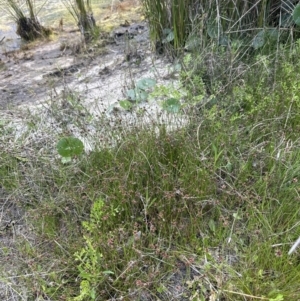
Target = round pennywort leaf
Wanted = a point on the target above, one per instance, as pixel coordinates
(125, 104)
(171, 105)
(145, 83)
(69, 147)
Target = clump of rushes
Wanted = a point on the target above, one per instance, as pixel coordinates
(28, 28)
(178, 22)
(81, 11)
(168, 20)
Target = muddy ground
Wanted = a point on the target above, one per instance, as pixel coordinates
(102, 71)
(29, 75)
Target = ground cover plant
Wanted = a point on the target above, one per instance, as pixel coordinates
(203, 210)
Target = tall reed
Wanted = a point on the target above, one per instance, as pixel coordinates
(217, 19)
(168, 14)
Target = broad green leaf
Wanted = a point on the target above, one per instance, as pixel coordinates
(171, 105)
(131, 94)
(141, 95)
(145, 83)
(69, 147)
(125, 104)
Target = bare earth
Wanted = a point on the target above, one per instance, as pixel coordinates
(102, 71)
(28, 75)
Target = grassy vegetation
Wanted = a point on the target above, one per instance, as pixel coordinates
(206, 210)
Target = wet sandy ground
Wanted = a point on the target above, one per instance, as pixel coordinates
(41, 71)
